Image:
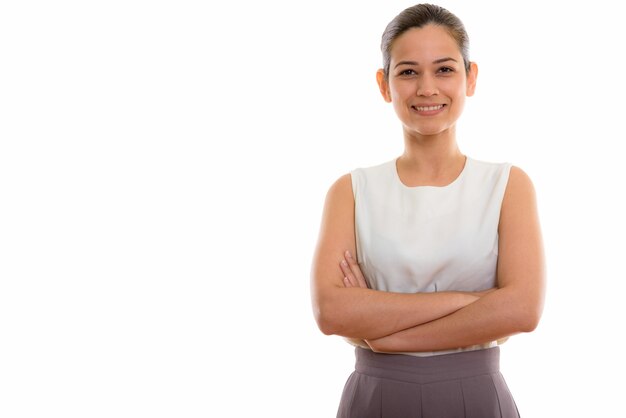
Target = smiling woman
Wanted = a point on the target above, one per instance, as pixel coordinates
(427, 262)
(428, 85)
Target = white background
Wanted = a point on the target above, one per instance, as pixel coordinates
(163, 167)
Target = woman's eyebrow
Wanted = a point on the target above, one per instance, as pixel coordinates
(405, 63)
(437, 61)
(440, 60)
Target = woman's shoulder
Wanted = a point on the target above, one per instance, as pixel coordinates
(371, 172)
(514, 173)
(345, 185)
(489, 165)
(374, 169)
(519, 182)
(515, 183)
(341, 185)
(513, 180)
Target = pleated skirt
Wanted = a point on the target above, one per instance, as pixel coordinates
(460, 385)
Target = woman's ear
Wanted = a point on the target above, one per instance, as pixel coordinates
(471, 79)
(383, 85)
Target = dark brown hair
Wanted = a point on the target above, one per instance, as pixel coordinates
(418, 16)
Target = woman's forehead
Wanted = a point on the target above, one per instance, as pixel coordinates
(428, 42)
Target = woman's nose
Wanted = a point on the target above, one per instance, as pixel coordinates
(426, 86)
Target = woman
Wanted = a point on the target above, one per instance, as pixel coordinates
(426, 262)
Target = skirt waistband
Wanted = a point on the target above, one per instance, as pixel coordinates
(428, 369)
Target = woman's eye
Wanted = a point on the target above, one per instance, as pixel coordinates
(407, 72)
(446, 70)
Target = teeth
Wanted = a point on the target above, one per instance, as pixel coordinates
(426, 108)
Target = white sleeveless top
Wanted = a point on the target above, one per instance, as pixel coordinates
(428, 238)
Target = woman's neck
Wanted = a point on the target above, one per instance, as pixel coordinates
(434, 159)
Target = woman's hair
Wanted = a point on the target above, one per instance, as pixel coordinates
(418, 16)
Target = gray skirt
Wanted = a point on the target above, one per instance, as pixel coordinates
(459, 385)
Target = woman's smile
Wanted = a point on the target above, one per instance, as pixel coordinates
(428, 109)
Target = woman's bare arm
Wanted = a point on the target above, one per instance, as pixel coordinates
(516, 305)
(356, 311)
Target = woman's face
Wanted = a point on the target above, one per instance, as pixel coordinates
(427, 81)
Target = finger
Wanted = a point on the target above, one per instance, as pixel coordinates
(356, 270)
(348, 275)
(371, 344)
(346, 282)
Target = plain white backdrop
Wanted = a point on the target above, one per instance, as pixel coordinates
(163, 167)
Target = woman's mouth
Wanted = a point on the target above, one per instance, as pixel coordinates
(429, 108)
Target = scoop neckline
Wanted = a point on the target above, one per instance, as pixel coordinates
(394, 166)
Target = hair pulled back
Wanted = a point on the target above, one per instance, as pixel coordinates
(419, 16)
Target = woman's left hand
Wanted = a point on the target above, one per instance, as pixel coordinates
(353, 277)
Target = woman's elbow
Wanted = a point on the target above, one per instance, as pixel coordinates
(325, 325)
(529, 324)
(325, 318)
(529, 317)
(525, 307)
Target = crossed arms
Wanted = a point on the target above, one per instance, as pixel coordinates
(403, 322)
